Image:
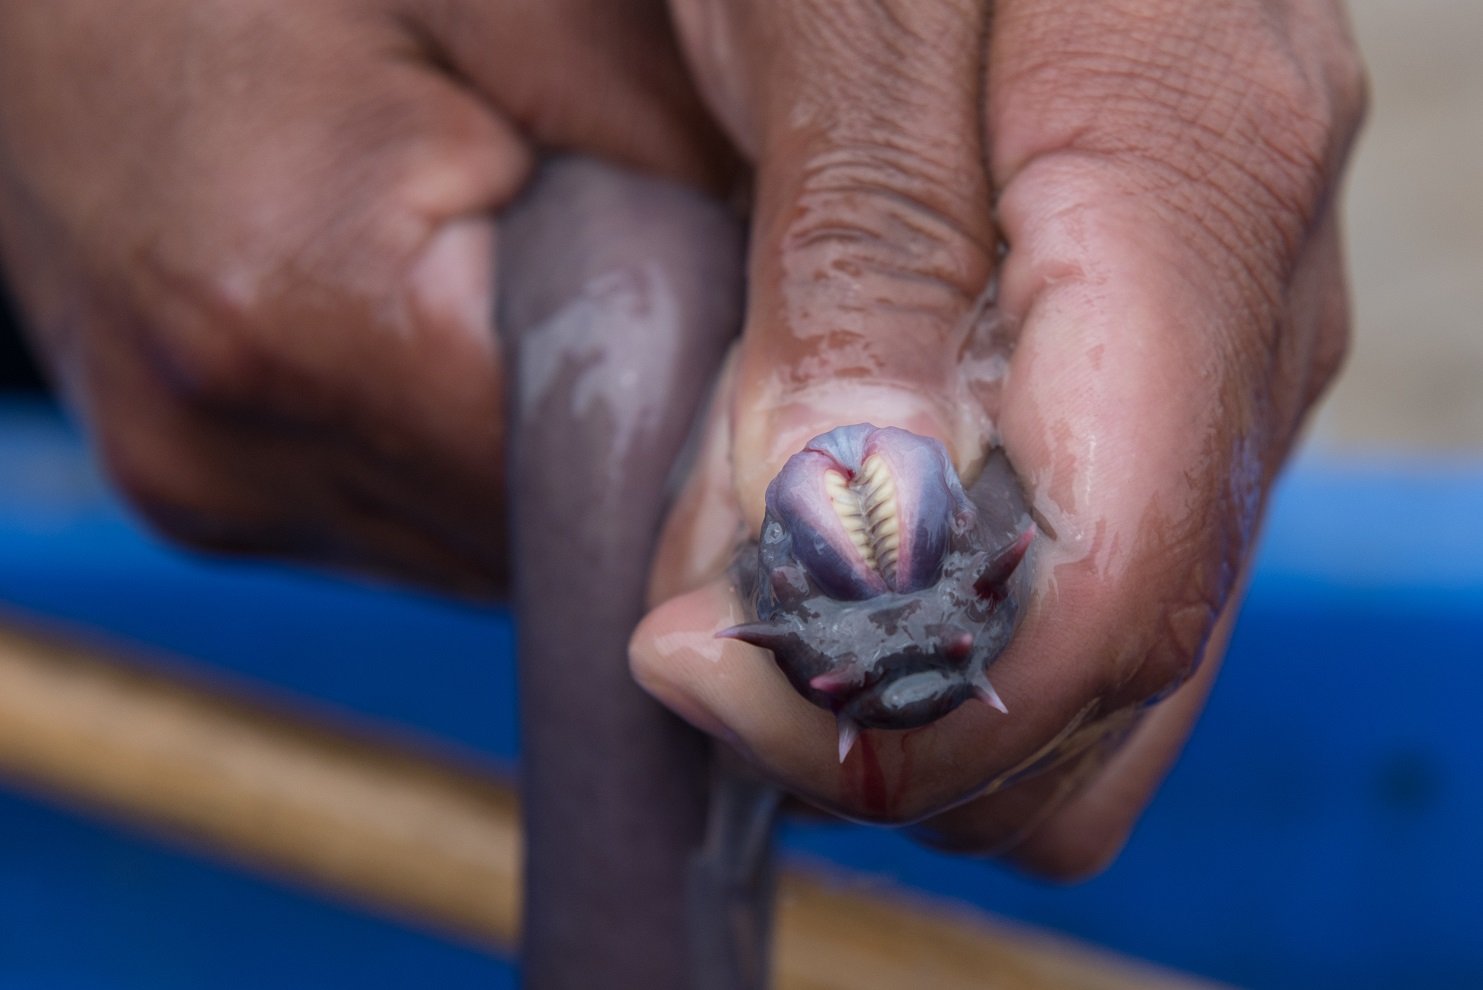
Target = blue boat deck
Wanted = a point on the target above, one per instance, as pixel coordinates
(1320, 831)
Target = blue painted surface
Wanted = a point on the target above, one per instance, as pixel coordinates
(86, 908)
(1322, 829)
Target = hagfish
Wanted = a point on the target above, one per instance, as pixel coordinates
(618, 297)
(883, 588)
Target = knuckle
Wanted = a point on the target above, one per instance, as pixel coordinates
(1259, 173)
(1237, 127)
(1273, 143)
(1292, 130)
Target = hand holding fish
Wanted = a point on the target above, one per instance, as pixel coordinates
(1099, 236)
(254, 240)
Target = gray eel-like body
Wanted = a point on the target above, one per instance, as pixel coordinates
(619, 295)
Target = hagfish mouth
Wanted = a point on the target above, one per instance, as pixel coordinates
(884, 589)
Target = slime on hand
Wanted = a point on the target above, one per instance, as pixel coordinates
(884, 589)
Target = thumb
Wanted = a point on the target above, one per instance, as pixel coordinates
(873, 242)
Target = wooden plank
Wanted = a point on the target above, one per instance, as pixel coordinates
(425, 839)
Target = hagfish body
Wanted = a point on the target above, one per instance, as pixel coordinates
(619, 295)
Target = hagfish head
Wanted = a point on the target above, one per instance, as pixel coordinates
(878, 587)
(867, 511)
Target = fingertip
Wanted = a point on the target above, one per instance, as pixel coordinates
(676, 655)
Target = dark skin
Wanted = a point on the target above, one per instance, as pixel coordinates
(253, 240)
(255, 243)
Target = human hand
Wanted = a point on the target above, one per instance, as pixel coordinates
(253, 240)
(1170, 305)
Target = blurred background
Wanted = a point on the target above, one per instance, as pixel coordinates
(1321, 830)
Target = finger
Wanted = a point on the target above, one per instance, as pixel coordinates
(1144, 404)
(1070, 821)
(1082, 837)
(872, 250)
(323, 290)
(245, 484)
(600, 76)
(872, 242)
(1151, 391)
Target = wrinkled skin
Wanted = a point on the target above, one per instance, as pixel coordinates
(253, 240)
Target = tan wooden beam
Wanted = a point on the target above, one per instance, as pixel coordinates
(421, 837)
